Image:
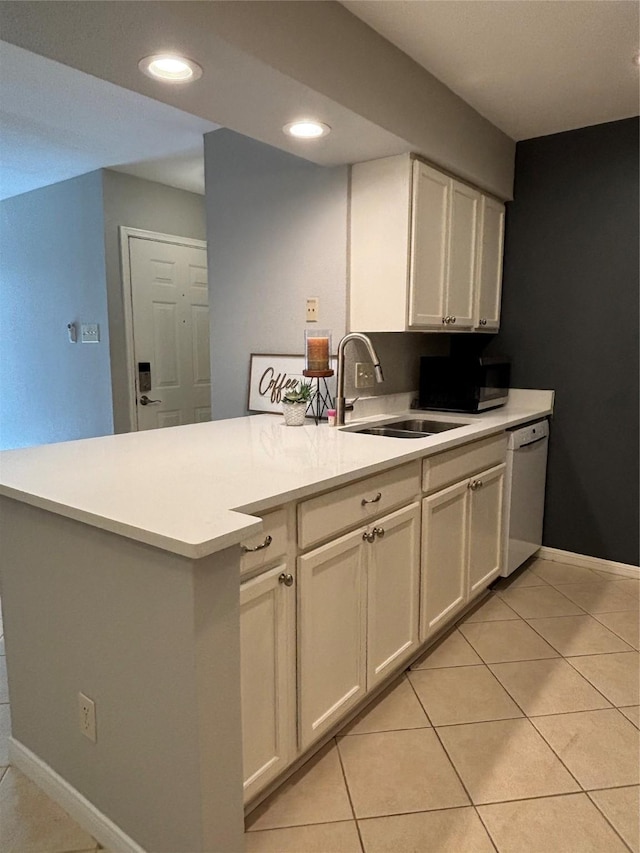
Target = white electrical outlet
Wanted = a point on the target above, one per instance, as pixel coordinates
(313, 308)
(364, 375)
(90, 333)
(87, 712)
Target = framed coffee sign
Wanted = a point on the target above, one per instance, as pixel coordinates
(270, 376)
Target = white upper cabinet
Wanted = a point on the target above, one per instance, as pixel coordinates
(461, 273)
(429, 247)
(489, 267)
(426, 250)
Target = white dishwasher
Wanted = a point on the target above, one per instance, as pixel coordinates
(524, 496)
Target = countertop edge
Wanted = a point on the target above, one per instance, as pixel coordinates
(241, 521)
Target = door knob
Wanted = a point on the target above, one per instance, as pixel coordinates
(285, 578)
(145, 401)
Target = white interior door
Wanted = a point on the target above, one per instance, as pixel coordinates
(170, 316)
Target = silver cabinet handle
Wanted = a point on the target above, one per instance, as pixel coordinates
(379, 531)
(483, 322)
(475, 484)
(375, 500)
(267, 541)
(368, 536)
(145, 401)
(285, 578)
(452, 319)
(445, 319)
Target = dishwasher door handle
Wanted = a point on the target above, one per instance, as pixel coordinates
(535, 441)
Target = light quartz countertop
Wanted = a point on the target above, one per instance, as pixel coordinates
(197, 489)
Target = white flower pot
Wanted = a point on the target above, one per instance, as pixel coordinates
(294, 413)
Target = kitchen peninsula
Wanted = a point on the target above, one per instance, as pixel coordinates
(120, 579)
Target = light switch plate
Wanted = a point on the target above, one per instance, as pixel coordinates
(90, 333)
(313, 307)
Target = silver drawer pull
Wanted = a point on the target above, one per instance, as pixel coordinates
(368, 536)
(475, 484)
(267, 541)
(285, 578)
(375, 500)
(379, 531)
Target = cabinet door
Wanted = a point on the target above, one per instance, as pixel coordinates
(444, 556)
(461, 276)
(331, 634)
(393, 577)
(485, 528)
(267, 632)
(489, 273)
(429, 241)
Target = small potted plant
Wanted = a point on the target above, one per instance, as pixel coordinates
(295, 403)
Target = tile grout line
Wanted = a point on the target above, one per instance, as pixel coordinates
(560, 713)
(449, 759)
(597, 807)
(604, 625)
(455, 770)
(613, 705)
(533, 628)
(346, 785)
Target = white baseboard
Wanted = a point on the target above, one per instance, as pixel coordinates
(78, 807)
(558, 556)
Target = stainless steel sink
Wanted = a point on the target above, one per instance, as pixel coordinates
(390, 432)
(423, 425)
(408, 428)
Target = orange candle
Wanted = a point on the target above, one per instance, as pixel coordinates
(318, 353)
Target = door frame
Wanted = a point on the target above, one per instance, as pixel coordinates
(125, 234)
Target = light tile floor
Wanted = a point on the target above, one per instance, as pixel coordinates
(517, 733)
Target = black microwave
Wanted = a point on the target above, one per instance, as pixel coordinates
(464, 383)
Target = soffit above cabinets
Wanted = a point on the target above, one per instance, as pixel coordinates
(268, 63)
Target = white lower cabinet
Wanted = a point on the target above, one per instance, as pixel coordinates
(357, 616)
(314, 644)
(461, 545)
(393, 580)
(444, 556)
(485, 528)
(267, 637)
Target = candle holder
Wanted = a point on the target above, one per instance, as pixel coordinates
(317, 351)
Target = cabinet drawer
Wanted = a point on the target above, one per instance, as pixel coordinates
(330, 514)
(453, 465)
(260, 553)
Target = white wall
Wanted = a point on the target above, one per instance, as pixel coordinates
(53, 273)
(277, 232)
(151, 207)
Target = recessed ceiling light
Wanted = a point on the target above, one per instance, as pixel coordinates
(170, 68)
(307, 129)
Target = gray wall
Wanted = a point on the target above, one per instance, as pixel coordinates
(277, 233)
(53, 273)
(151, 207)
(570, 322)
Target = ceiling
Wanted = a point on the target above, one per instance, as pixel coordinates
(58, 123)
(531, 68)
